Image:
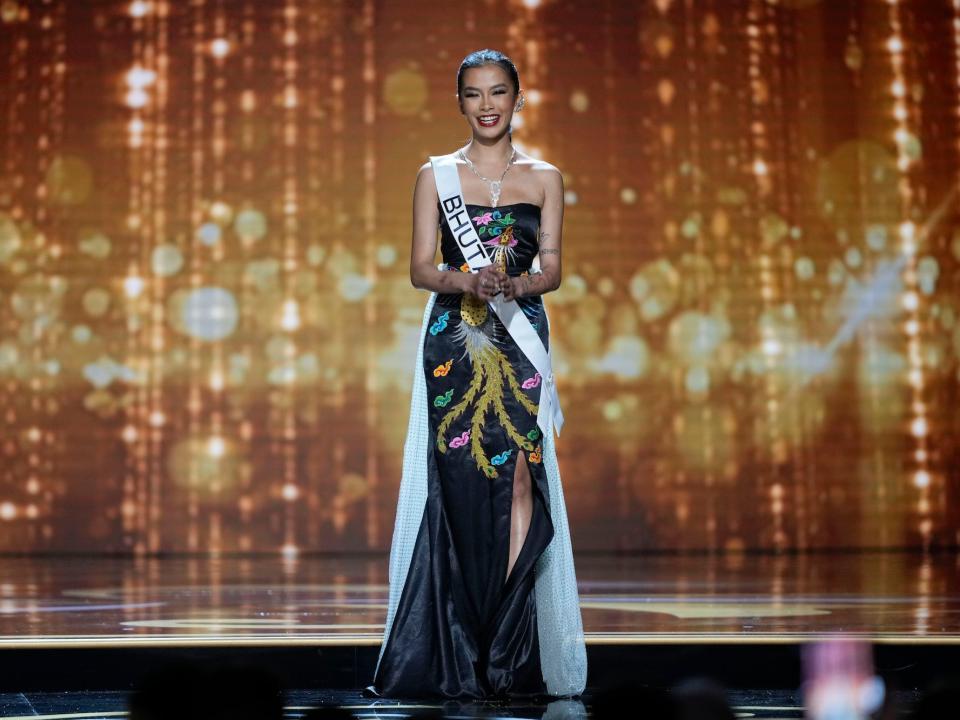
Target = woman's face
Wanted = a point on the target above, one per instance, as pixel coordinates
(487, 100)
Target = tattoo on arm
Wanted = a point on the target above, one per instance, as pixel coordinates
(544, 237)
(535, 284)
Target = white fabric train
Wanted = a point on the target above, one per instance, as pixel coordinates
(563, 656)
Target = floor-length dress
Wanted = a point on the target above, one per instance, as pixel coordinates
(460, 626)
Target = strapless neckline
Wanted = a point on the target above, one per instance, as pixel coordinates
(503, 205)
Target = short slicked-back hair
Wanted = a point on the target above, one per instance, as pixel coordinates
(479, 58)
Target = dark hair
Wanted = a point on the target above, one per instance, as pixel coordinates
(479, 58)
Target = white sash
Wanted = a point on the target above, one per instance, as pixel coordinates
(510, 314)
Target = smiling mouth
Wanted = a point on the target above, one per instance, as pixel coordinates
(488, 120)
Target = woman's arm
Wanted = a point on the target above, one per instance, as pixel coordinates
(423, 271)
(551, 230)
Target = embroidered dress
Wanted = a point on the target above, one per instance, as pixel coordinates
(457, 625)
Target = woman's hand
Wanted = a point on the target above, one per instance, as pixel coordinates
(513, 288)
(489, 282)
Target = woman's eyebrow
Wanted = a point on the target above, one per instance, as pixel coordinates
(499, 85)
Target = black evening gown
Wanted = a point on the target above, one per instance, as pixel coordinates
(463, 629)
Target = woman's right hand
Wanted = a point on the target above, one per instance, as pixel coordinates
(488, 282)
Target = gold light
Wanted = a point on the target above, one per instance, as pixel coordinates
(215, 260)
(133, 285)
(139, 8)
(220, 47)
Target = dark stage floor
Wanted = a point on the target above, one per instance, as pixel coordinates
(87, 705)
(93, 626)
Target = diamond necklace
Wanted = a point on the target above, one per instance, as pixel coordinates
(494, 185)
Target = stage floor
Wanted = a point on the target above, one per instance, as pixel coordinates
(104, 705)
(71, 602)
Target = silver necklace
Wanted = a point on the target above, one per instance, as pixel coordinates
(494, 185)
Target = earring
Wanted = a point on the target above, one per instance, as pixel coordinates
(521, 102)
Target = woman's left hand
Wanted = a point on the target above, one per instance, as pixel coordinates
(511, 288)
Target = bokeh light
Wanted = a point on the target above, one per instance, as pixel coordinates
(208, 323)
(208, 313)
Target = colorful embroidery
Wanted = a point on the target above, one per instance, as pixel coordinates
(474, 314)
(441, 324)
(461, 440)
(483, 220)
(530, 308)
(493, 223)
(534, 434)
(536, 456)
(531, 383)
(502, 239)
(498, 229)
(491, 376)
(443, 400)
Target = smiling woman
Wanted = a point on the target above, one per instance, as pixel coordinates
(483, 596)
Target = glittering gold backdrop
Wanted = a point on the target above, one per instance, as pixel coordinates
(207, 329)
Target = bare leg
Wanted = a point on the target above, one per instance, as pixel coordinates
(521, 509)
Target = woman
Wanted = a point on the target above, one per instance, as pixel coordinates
(483, 597)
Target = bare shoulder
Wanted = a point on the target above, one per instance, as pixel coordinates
(425, 181)
(538, 166)
(455, 156)
(425, 172)
(543, 167)
(547, 175)
(425, 197)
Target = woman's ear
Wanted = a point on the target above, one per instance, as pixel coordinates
(521, 101)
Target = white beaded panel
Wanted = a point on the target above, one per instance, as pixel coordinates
(563, 655)
(413, 483)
